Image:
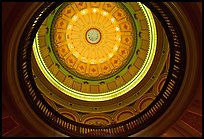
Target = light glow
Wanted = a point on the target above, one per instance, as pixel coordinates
(95, 10)
(76, 54)
(118, 37)
(102, 60)
(112, 20)
(110, 55)
(84, 12)
(104, 13)
(115, 48)
(69, 27)
(84, 59)
(93, 61)
(70, 46)
(74, 18)
(117, 28)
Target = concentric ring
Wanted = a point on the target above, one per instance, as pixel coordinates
(93, 36)
(122, 83)
(84, 54)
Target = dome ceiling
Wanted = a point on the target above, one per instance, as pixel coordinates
(93, 34)
(100, 50)
(40, 104)
(99, 63)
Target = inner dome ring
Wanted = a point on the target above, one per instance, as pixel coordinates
(93, 36)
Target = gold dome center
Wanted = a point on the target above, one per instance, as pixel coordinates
(93, 40)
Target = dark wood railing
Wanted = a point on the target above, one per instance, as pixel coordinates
(128, 127)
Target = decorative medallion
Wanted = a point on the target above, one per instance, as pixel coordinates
(93, 36)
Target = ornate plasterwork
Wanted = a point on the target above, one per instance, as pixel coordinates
(116, 116)
(93, 39)
(123, 77)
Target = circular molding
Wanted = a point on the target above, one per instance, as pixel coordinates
(104, 106)
(96, 93)
(93, 36)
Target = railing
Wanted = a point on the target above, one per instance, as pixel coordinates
(128, 127)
